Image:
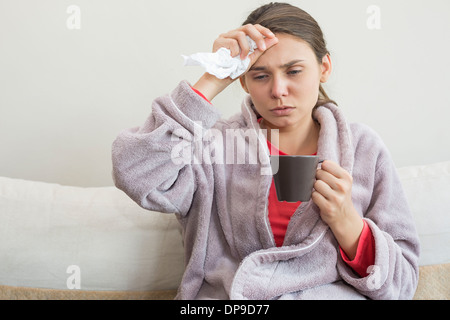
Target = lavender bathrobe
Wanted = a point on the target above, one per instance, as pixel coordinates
(221, 203)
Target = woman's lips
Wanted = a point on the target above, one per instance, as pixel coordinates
(282, 111)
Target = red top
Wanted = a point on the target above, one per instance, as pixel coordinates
(280, 213)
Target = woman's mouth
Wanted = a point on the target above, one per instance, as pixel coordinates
(282, 111)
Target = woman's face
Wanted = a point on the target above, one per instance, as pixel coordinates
(284, 82)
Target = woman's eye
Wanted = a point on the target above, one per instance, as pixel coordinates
(260, 77)
(294, 72)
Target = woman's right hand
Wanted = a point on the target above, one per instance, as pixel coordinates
(237, 43)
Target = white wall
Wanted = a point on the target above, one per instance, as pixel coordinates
(66, 93)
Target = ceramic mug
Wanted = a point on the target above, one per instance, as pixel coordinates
(294, 176)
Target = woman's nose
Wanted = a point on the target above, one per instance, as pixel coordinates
(279, 88)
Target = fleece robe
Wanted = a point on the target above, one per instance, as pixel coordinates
(215, 175)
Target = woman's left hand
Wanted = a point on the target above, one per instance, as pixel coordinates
(333, 196)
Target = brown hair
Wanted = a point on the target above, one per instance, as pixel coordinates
(288, 19)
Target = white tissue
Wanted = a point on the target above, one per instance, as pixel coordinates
(221, 64)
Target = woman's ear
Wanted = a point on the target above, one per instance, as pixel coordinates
(244, 86)
(326, 68)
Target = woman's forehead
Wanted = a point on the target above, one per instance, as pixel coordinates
(288, 51)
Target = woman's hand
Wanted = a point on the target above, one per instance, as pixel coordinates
(237, 43)
(333, 196)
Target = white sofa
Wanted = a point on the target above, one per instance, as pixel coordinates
(63, 242)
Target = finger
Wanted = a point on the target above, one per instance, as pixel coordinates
(257, 53)
(236, 40)
(229, 43)
(256, 35)
(328, 178)
(265, 31)
(319, 200)
(324, 189)
(270, 42)
(239, 41)
(335, 169)
(243, 44)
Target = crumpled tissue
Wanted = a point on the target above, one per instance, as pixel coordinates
(220, 63)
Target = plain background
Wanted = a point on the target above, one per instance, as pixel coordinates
(66, 93)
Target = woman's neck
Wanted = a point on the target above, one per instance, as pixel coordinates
(300, 139)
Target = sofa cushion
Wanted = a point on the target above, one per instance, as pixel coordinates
(428, 191)
(61, 237)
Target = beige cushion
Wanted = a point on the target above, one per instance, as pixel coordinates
(428, 191)
(113, 244)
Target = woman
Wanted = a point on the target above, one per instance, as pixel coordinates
(354, 239)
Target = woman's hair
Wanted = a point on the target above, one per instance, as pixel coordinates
(288, 19)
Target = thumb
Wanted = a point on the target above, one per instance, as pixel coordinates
(270, 42)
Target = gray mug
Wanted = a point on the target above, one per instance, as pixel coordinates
(294, 176)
